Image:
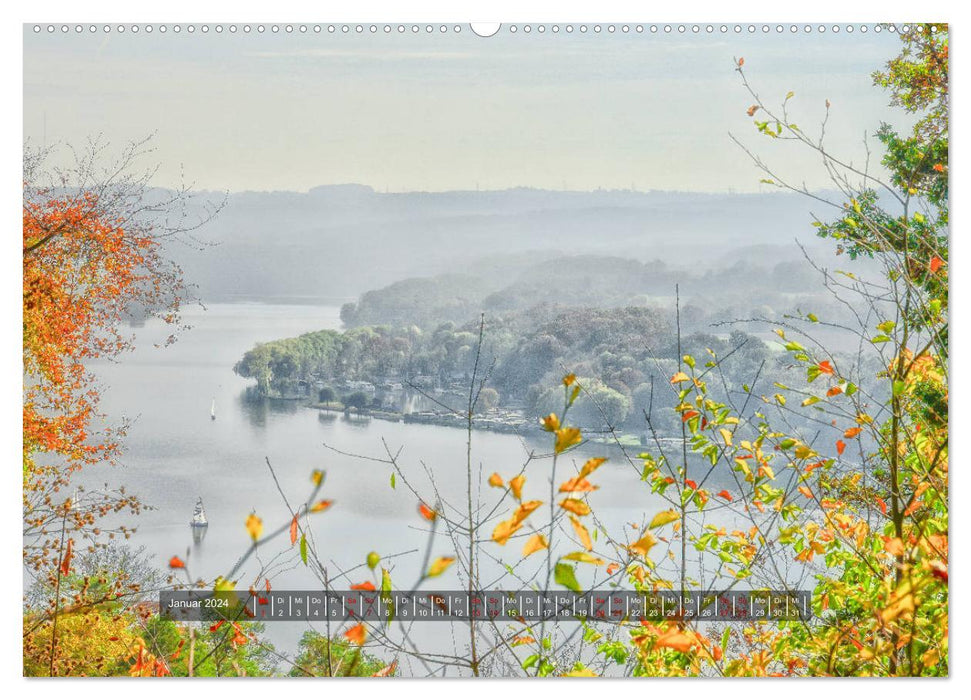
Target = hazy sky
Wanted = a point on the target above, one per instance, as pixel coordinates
(446, 111)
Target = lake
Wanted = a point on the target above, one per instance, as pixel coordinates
(174, 453)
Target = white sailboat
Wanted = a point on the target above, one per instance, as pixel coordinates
(199, 516)
(212, 411)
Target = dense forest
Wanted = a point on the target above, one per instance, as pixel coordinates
(620, 348)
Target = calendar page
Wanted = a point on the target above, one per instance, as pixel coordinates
(438, 349)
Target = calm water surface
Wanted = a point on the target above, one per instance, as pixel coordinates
(175, 453)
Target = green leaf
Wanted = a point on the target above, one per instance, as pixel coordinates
(810, 401)
(898, 387)
(564, 575)
(880, 339)
(303, 549)
(392, 479)
(886, 327)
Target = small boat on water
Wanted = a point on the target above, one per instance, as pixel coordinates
(212, 411)
(199, 516)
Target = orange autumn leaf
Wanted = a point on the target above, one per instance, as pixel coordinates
(825, 367)
(426, 512)
(688, 415)
(752, 110)
(679, 377)
(577, 485)
(496, 480)
(840, 446)
(504, 530)
(535, 544)
(523, 511)
(852, 433)
(612, 568)
(834, 390)
(293, 530)
(439, 566)
(677, 640)
(804, 490)
(643, 545)
(726, 495)
(366, 586)
(356, 634)
(516, 486)
(176, 563)
(882, 504)
(936, 264)
(566, 438)
(590, 466)
(320, 506)
(582, 533)
(575, 506)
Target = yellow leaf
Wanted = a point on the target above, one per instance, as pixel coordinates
(439, 566)
(534, 544)
(680, 377)
(254, 526)
(726, 436)
(584, 558)
(901, 603)
(582, 533)
(566, 438)
(643, 545)
(663, 518)
(496, 480)
(580, 673)
(575, 506)
(317, 477)
(516, 486)
(550, 423)
(569, 379)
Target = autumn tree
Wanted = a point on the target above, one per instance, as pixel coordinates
(95, 237)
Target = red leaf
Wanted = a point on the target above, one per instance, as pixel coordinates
(825, 367)
(882, 503)
(726, 495)
(840, 446)
(293, 530)
(691, 484)
(176, 563)
(426, 512)
(366, 586)
(356, 634)
(688, 415)
(66, 561)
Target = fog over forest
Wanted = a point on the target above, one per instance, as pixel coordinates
(334, 243)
